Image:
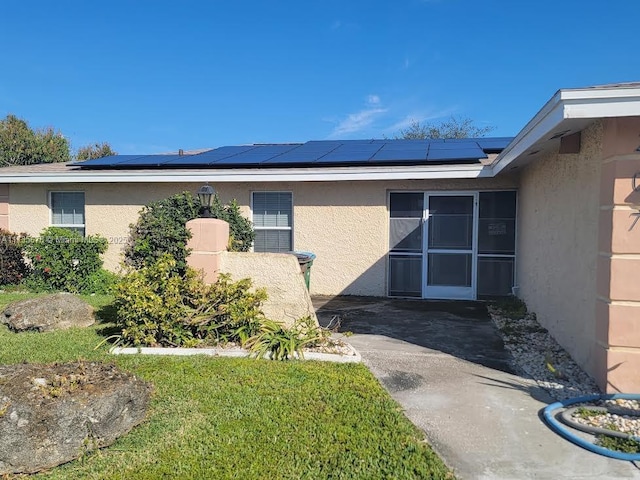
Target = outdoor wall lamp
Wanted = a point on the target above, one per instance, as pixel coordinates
(205, 195)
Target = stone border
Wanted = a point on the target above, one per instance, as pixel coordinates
(355, 357)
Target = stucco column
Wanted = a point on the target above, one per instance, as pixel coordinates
(209, 239)
(618, 273)
(4, 206)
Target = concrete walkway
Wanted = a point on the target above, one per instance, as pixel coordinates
(447, 367)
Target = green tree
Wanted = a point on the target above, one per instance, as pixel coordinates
(95, 150)
(455, 127)
(21, 145)
(161, 229)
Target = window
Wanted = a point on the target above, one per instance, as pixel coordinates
(272, 219)
(67, 210)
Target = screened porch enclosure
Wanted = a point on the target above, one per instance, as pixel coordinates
(451, 245)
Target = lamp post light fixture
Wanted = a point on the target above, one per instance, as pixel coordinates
(205, 194)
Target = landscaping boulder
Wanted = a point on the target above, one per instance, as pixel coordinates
(47, 313)
(51, 414)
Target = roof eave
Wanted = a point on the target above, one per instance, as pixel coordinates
(256, 175)
(578, 104)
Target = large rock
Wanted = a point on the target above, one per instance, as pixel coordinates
(51, 414)
(50, 312)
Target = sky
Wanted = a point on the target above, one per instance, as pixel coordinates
(157, 76)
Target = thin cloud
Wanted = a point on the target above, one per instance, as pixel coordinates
(421, 117)
(361, 120)
(336, 25)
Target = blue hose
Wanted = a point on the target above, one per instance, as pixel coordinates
(560, 429)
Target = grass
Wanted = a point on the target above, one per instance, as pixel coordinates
(241, 418)
(511, 307)
(625, 445)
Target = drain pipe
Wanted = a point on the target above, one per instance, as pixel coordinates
(563, 431)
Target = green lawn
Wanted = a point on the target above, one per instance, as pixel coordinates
(241, 418)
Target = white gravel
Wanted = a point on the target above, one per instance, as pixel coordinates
(624, 416)
(539, 356)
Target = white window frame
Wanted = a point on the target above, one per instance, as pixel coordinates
(67, 225)
(289, 228)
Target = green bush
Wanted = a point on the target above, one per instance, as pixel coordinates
(157, 306)
(281, 343)
(64, 260)
(161, 229)
(13, 268)
(102, 282)
(241, 233)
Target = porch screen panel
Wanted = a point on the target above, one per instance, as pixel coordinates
(405, 276)
(405, 244)
(496, 243)
(451, 222)
(495, 276)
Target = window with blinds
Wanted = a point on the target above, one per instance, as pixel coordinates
(67, 210)
(272, 220)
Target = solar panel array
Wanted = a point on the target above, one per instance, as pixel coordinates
(317, 153)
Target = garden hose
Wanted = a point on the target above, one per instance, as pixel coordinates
(563, 431)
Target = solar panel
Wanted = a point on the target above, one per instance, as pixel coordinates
(306, 153)
(210, 156)
(317, 153)
(351, 153)
(247, 158)
(494, 145)
(106, 161)
(458, 145)
(148, 161)
(393, 152)
(455, 154)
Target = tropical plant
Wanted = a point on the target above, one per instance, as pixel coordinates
(13, 268)
(62, 259)
(276, 341)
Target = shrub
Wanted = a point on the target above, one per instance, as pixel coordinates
(102, 282)
(281, 343)
(64, 260)
(241, 233)
(156, 305)
(12, 265)
(161, 229)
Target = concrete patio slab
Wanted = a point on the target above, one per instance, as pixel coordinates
(446, 366)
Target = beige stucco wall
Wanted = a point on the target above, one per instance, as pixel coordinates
(558, 243)
(344, 223)
(279, 274)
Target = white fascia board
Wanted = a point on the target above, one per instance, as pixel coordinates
(545, 120)
(604, 92)
(230, 176)
(602, 108)
(579, 103)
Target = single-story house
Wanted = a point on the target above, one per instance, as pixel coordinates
(549, 215)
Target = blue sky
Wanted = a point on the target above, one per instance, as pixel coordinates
(155, 76)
